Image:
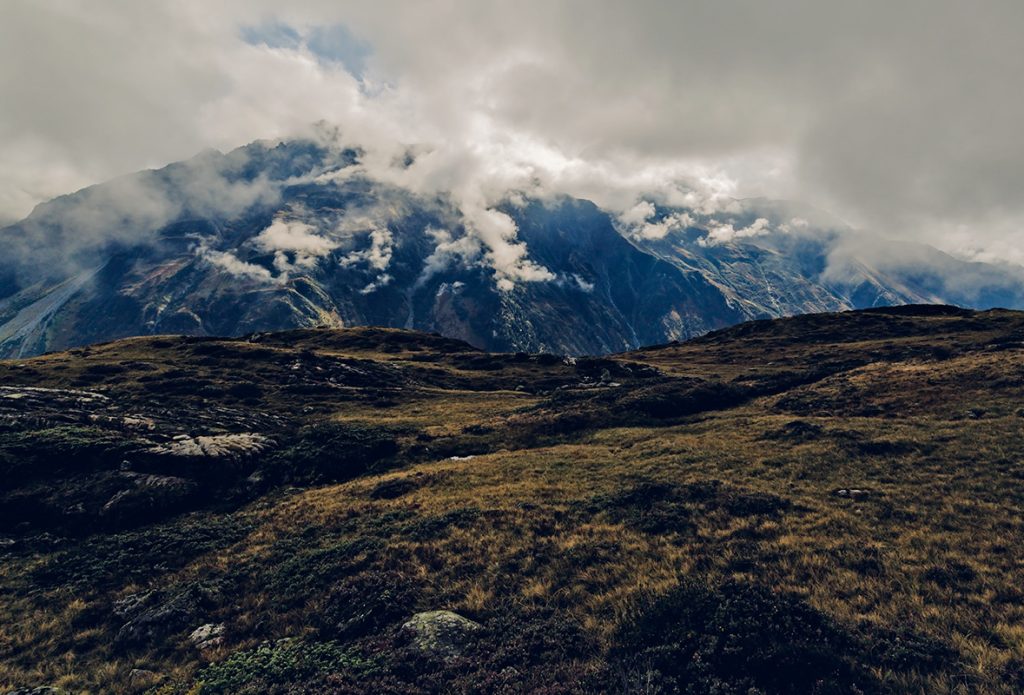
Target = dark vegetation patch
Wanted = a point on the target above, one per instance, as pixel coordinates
(433, 527)
(29, 454)
(796, 431)
(660, 508)
(368, 603)
(394, 488)
(677, 398)
(284, 666)
(299, 569)
(954, 575)
(330, 452)
(106, 369)
(737, 639)
(108, 561)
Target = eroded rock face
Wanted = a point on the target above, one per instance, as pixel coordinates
(207, 636)
(151, 620)
(148, 496)
(441, 634)
(221, 446)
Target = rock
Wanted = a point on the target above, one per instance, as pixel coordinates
(207, 636)
(132, 604)
(851, 492)
(150, 621)
(442, 634)
(149, 495)
(221, 446)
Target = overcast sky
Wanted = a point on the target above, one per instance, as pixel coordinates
(904, 118)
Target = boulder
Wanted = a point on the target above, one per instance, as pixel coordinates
(203, 457)
(207, 636)
(221, 446)
(441, 634)
(150, 620)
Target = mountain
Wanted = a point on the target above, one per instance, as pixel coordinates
(821, 504)
(301, 233)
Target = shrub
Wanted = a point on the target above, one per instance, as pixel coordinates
(368, 603)
(737, 639)
(330, 452)
(300, 571)
(394, 488)
(271, 665)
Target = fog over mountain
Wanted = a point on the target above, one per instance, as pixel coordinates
(314, 232)
(902, 120)
(460, 131)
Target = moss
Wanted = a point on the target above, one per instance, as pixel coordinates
(286, 663)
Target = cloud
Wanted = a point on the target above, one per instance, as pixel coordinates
(448, 250)
(724, 233)
(900, 118)
(231, 264)
(378, 254)
(640, 221)
(295, 245)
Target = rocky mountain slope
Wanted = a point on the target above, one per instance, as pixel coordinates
(820, 504)
(301, 234)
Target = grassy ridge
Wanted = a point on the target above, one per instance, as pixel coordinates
(819, 504)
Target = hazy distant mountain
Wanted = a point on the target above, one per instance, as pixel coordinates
(270, 237)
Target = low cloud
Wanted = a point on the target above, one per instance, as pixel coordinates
(868, 109)
(295, 245)
(447, 251)
(724, 233)
(639, 221)
(231, 264)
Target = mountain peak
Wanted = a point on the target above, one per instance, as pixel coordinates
(296, 233)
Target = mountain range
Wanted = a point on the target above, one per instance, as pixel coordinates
(301, 233)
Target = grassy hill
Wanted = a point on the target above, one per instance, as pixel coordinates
(823, 504)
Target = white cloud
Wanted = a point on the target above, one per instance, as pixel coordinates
(295, 245)
(448, 250)
(724, 233)
(233, 265)
(638, 221)
(900, 118)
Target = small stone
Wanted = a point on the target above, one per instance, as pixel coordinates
(851, 492)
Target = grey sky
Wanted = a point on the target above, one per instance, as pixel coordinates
(901, 117)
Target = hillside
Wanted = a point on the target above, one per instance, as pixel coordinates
(297, 234)
(821, 504)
